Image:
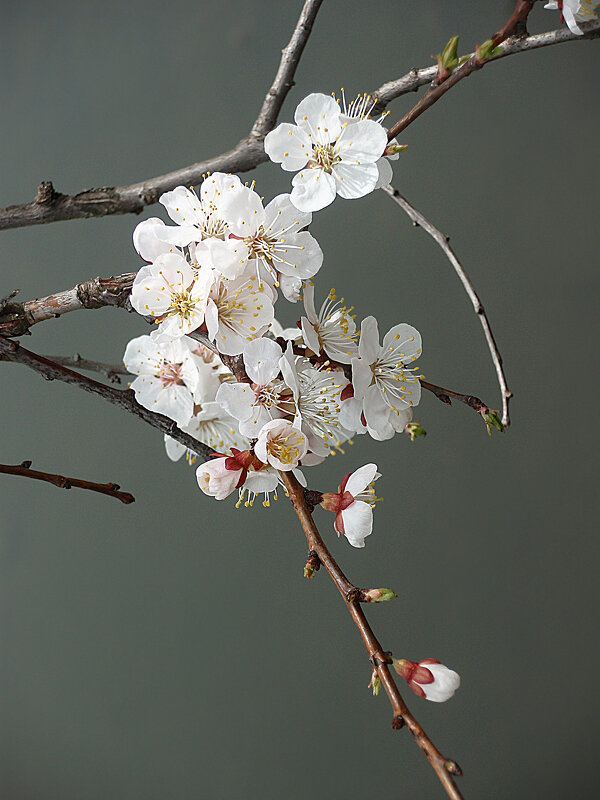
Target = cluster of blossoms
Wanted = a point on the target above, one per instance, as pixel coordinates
(574, 11)
(268, 400)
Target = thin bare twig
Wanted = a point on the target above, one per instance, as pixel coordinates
(444, 767)
(52, 206)
(25, 471)
(110, 371)
(444, 242)
(477, 60)
(123, 398)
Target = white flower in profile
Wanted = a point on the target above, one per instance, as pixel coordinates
(220, 477)
(353, 504)
(361, 108)
(316, 395)
(332, 329)
(173, 293)
(273, 235)
(202, 220)
(237, 312)
(167, 376)
(328, 155)
(212, 426)
(574, 11)
(267, 397)
(381, 378)
(281, 445)
(428, 678)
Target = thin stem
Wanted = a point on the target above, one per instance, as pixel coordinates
(444, 767)
(24, 470)
(444, 242)
(476, 61)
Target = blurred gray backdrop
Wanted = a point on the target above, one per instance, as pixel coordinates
(172, 648)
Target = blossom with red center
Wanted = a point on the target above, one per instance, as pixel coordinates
(353, 504)
(428, 678)
(220, 477)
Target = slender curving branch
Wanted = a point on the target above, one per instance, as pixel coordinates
(444, 242)
(444, 767)
(52, 206)
(123, 398)
(25, 471)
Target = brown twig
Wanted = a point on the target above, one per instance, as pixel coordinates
(52, 206)
(123, 398)
(23, 469)
(110, 371)
(444, 242)
(17, 318)
(447, 395)
(476, 60)
(445, 768)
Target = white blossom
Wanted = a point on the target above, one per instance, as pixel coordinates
(316, 397)
(212, 426)
(202, 221)
(382, 380)
(267, 397)
(574, 11)
(332, 329)
(167, 376)
(146, 240)
(328, 155)
(281, 445)
(237, 312)
(173, 293)
(273, 236)
(353, 504)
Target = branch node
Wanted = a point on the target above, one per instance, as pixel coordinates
(453, 768)
(397, 722)
(46, 194)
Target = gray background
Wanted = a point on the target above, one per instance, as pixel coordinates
(172, 648)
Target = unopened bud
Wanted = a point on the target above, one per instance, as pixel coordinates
(492, 419)
(391, 150)
(448, 58)
(486, 50)
(375, 684)
(379, 595)
(413, 429)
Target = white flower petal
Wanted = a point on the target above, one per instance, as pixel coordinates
(261, 359)
(289, 146)
(355, 180)
(358, 522)
(313, 189)
(368, 346)
(319, 115)
(360, 479)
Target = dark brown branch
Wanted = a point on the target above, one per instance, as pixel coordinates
(514, 26)
(379, 659)
(444, 242)
(24, 470)
(17, 318)
(447, 395)
(52, 206)
(123, 398)
(110, 371)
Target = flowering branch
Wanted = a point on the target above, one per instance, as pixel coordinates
(488, 52)
(123, 398)
(444, 243)
(25, 471)
(445, 768)
(52, 206)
